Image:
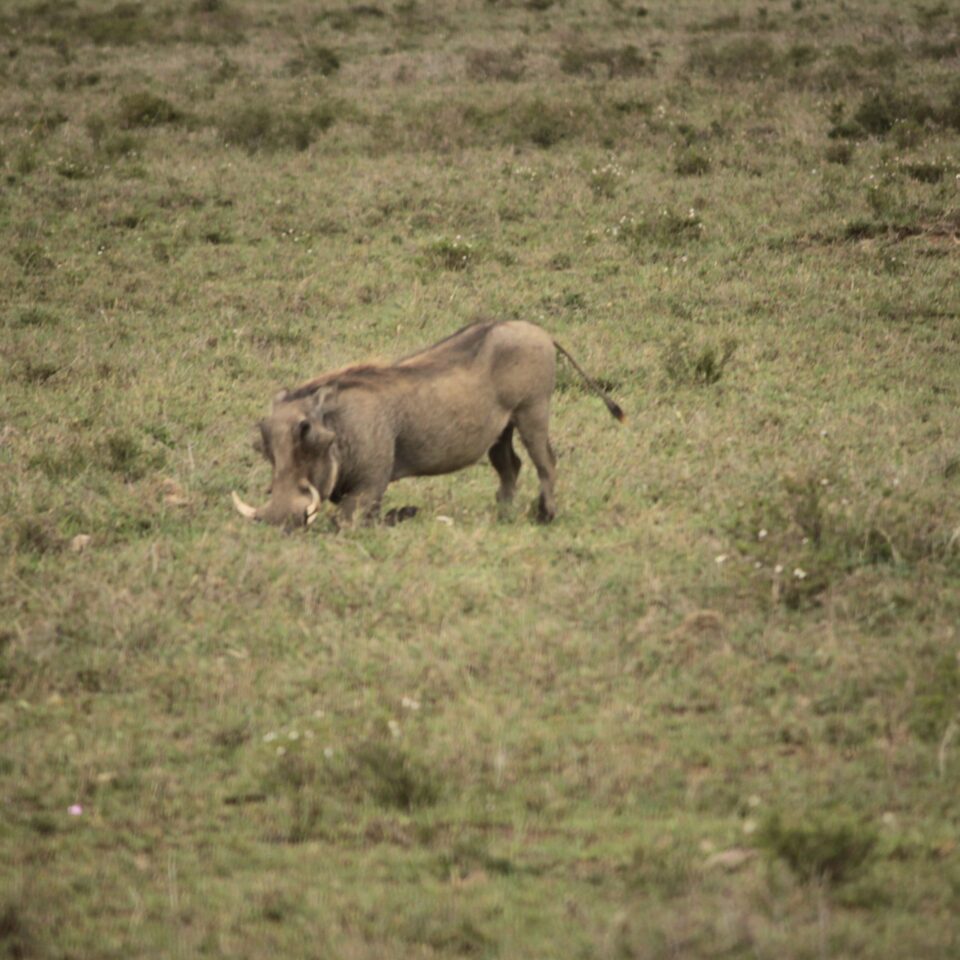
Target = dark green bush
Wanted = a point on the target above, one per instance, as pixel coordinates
(819, 848)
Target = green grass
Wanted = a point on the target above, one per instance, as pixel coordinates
(711, 711)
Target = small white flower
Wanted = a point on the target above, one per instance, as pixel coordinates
(762, 535)
(753, 801)
(394, 728)
(799, 573)
(722, 558)
(281, 751)
(294, 735)
(269, 737)
(749, 826)
(319, 713)
(328, 752)
(408, 703)
(778, 568)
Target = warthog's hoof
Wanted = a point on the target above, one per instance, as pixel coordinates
(399, 514)
(541, 512)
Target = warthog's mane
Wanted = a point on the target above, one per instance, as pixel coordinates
(459, 347)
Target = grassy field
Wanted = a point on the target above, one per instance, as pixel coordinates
(711, 711)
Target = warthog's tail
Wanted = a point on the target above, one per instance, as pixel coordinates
(612, 406)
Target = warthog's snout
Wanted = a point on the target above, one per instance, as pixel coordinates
(296, 509)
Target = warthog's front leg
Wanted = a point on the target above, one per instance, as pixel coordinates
(362, 504)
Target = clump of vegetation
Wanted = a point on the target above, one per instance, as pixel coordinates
(819, 848)
(37, 317)
(742, 58)
(661, 870)
(584, 59)
(145, 109)
(296, 777)
(349, 18)
(314, 59)
(36, 535)
(122, 25)
(32, 257)
(541, 124)
(692, 163)
(702, 364)
(488, 65)
(925, 172)
(936, 701)
(663, 228)
(261, 127)
(123, 453)
(466, 856)
(887, 111)
(605, 180)
(396, 778)
(455, 254)
(839, 153)
(74, 166)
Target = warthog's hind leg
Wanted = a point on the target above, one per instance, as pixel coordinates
(507, 464)
(532, 423)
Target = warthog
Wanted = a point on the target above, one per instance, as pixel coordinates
(346, 435)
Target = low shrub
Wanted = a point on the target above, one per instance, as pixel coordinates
(260, 127)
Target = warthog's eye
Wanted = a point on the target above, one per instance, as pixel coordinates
(303, 429)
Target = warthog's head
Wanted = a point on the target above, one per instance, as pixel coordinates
(305, 462)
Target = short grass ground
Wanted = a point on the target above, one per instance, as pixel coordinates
(712, 711)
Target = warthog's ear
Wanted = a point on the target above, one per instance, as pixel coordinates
(280, 397)
(313, 436)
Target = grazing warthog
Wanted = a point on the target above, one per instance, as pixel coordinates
(346, 435)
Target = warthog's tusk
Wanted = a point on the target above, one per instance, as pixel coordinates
(314, 505)
(244, 509)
